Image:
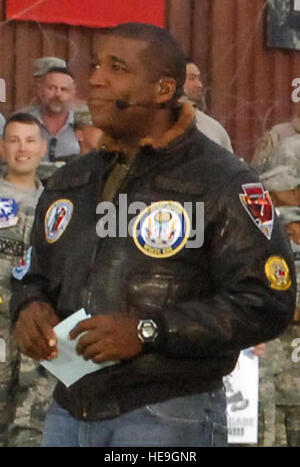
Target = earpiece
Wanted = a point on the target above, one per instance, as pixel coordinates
(164, 87)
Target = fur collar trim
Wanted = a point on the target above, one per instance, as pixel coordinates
(186, 118)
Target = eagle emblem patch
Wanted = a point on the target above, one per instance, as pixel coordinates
(162, 229)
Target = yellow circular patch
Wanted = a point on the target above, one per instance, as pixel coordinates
(278, 274)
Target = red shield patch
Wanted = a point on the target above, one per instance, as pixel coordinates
(257, 202)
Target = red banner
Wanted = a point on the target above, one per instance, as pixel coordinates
(92, 13)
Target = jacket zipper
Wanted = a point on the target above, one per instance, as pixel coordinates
(87, 293)
(84, 410)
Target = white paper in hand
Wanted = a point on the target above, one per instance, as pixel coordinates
(69, 367)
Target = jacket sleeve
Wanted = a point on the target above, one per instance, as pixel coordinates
(29, 282)
(253, 280)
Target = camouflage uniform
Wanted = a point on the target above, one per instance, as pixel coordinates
(46, 169)
(279, 375)
(270, 139)
(23, 394)
(279, 402)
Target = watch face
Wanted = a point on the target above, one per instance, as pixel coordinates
(147, 330)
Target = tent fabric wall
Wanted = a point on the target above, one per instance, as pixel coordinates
(248, 85)
(91, 13)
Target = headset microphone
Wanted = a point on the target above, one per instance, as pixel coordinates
(122, 104)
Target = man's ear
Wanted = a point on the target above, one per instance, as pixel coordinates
(44, 147)
(165, 90)
(79, 135)
(1, 149)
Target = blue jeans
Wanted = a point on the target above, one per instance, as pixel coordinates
(197, 420)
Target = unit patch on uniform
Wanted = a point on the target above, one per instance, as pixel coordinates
(278, 274)
(57, 219)
(257, 202)
(23, 267)
(162, 229)
(8, 212)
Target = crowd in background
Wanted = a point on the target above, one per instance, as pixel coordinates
(68, 132)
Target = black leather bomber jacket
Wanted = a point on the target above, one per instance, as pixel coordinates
(209, 302)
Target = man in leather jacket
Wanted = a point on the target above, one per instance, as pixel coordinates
(172, 313)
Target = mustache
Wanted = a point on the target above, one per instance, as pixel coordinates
(56, 101)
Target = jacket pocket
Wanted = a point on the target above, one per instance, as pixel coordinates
(198, 420)
(157, 291)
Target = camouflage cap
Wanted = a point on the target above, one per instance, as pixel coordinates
(288, 214)
(42, 65)
(82, 116)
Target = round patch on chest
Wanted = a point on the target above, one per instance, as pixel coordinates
(162, 229)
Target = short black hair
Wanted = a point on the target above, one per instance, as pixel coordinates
(188, 60)
(167, 57)
(59, 69)
(23, 117)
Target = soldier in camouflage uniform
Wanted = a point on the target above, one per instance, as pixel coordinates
(279, 372)
(86, 133)
(270, 139)
(24, 392)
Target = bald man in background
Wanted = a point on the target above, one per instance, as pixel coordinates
(193, 89)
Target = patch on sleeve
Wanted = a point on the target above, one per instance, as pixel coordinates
(258, 204)
(23, 267)
(57, 219)
(8, 213)
(278, 274)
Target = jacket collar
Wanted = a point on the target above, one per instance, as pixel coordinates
(185, 120)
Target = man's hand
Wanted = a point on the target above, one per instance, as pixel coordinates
(34, 331)
(259, 350)
(297, 315)
(107, 337)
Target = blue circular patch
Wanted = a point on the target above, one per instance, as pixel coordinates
(162, 229)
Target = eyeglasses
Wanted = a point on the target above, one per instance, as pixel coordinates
(52, 147)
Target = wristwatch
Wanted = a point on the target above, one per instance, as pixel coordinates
(147, 331)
